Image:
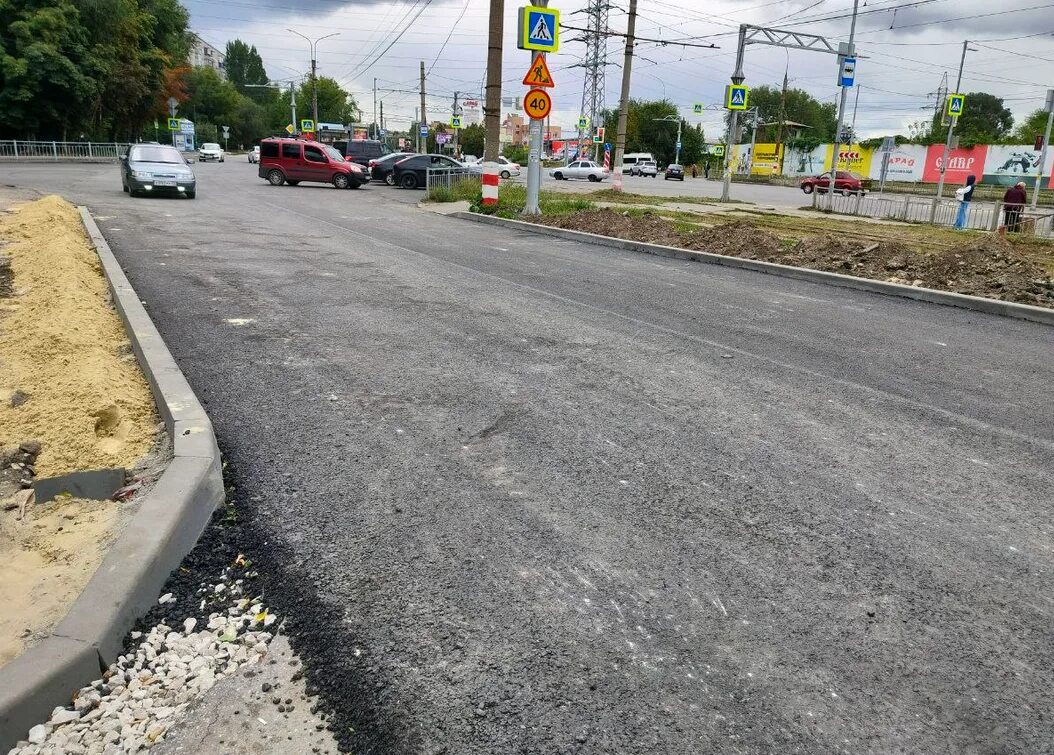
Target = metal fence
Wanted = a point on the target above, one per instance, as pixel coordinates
(15, 149)
(930, 210)
(439, 180)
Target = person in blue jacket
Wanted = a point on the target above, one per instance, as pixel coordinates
(964, 194)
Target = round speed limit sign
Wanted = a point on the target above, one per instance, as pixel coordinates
(538, 104)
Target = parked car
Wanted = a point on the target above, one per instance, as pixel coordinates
(294, 160)
(254, 154)
(210, 151)
(506, 167)
(361, 151)
(586, 169)
(381, 168)
(629, 161)
(412, 172)
(156, 169)
(673, 170)
(645, 168)
(845, 183)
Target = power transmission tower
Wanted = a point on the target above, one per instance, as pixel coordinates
(595, 61)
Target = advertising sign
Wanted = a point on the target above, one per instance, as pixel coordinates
(805, 162)
(962, 162)
(1005, 165)
(853, 157)
(767, 159)
(905, 163)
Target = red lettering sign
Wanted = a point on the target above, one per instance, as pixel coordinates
(961, 163)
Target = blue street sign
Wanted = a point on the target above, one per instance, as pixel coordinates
(678, 145)
(736, 97)
(607, 147)
(848, 72)
(424, 130)
(956, 103)
(539, 29)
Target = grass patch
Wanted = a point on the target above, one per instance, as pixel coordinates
(465, 189)
(512, 198)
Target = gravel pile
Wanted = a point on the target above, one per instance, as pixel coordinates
(219, 629)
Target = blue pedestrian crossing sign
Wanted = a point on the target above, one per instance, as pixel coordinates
(956, 103)
(539, 29)
(736, 97)
(697, 108)
(583, 123)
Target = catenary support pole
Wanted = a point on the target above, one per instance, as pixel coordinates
(1043, 152)
(623, 107)
(836, 157)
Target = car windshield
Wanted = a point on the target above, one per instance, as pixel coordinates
(332, 153)
(210, 145)
(157, 154)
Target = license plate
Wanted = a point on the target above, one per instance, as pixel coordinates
(164, 183)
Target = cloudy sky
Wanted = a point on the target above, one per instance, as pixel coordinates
(906, 47)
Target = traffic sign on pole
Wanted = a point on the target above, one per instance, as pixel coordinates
(956, 104)
(173, 124)
(538, 75)
(538, 104)
(290, 129)
(583, 123)
(307, 125)
(736, 96)
(848, 75)
(718, 150)
(697, 108)
(424, 129)
(539, 29)
(455, 121)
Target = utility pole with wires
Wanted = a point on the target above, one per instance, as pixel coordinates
(313, 44)
(381, 132)
(374, 135)
(593, 85)
(456, 111)
(850, 51)
(623, 107)
(951, 132)
(423, 140)
(492, 102)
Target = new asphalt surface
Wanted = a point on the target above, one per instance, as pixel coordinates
(524, 495)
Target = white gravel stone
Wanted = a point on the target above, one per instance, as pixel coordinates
(38, 734)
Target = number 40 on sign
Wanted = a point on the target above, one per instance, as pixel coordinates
(538, 104)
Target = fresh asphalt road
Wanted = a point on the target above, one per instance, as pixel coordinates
(536, 496)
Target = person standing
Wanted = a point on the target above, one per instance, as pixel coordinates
(706, 169)
(1013, 204)
(964, 194)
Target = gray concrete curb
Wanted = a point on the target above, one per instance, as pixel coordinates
(975, 303)
(168, 522)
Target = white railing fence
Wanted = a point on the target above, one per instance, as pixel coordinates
(17, 149)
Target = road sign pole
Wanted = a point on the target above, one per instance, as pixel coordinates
(850, 52)
(534, 152)
(1043, 152)
(733, 119)
(951, 131)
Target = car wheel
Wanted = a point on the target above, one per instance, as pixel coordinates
(506, 174)
(593, 178)
(558, 176)
(389, 178)
(409, 181)
(191, 194)
(356, 185)
(807, 188)
(276, 178)
(341, 181)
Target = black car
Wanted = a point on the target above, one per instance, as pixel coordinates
(381, 168)
(412, 172)
(361, 151)
(674, 171)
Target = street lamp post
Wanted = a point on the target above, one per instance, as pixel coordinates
(314, 81)
(677, 150)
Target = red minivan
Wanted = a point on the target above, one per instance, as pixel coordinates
(294, 160)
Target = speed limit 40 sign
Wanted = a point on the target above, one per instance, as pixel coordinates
(538, 104)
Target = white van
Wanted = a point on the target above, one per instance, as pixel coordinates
(630, 160)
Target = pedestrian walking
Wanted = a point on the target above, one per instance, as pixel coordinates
(964, 194)
(1013, 203)
(706, 170)
(695, 174)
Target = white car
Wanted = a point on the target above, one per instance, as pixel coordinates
(506, 167)
(586, 169)
(645, 168)
(254, 154)
(210, 151)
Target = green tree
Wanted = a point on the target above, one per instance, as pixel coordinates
(1027, 131)
(244, 65)
(472, 139)
(651, 126)
(798, 106)
(985, 120)
(335, 105)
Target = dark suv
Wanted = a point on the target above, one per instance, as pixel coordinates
(361, 151)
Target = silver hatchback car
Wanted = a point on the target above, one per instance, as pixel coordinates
(156, 169)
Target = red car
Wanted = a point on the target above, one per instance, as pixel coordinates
(291, 161)
(845, 183)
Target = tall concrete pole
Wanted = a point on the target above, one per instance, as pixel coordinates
(836, 157)
(951, 131)
(492, 105)
(1043, 153)
(534, 153)
(623, 108)
(733, 118)
(423, 140)
(374, 108)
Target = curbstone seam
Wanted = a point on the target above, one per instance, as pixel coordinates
(166, 525)
(932, 296)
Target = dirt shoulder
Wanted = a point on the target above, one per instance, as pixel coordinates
(72, 398)
(1011, 269)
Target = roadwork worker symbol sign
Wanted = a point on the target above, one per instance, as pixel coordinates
(538, 75)
(539, 29)
(736, 97)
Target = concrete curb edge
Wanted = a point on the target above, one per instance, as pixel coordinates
(167, 524)
(963, 301)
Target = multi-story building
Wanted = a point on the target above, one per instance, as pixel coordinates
(204, 54)
(515, 129)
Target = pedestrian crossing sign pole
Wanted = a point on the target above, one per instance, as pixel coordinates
(736, 96)
(539, 29)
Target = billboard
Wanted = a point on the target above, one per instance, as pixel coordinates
(962, 162)
(906, 162)
(767, 158)
(853, 157)
(805, 162)
(1005, 165)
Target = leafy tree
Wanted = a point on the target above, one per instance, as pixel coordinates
(1027, 131)
(335, 105)
(472, 139)
(651, 126)
(244, 65)
(798, 106)
(985, 120)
